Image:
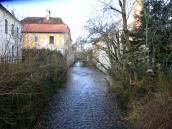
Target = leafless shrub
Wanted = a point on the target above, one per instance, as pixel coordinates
(25, 87)
(157, 114)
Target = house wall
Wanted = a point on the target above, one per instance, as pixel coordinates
(43, 41)
(62, 43)
(101, 56)
(134, 21)
(69, 49)
(10, 45)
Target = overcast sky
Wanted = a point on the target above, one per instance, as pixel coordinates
(74, 13)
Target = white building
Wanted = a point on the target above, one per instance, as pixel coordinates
(134, 8)
(101, 57)
(10, 35)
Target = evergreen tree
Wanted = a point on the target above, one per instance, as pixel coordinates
(157, 24)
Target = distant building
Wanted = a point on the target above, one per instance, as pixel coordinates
(10, 37)
(100, 56)
(102, 59)
(137, 13)
(134, 21)
(47, 33)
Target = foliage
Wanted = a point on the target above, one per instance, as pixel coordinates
(156, 19)
(26, 87)
(142, 64)
(153, 66)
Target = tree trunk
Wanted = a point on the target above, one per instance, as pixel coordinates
(132, 75)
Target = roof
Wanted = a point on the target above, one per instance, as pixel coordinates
(45, 28)
(42, 25)
(8, 12)
(42, 20)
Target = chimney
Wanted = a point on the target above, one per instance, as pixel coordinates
(48, 14)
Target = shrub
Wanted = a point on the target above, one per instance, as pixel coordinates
(26, 87)
(157, 114)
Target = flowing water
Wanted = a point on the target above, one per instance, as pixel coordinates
(84, 102)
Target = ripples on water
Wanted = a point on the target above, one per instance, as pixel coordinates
(83, 103)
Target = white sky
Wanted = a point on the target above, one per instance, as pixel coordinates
(74, 13)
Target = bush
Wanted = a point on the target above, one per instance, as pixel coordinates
(156, 114)
(27, 86)
(149, 105)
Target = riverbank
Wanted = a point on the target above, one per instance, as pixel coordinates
(147, 106)
(26, 87)
(84, 102)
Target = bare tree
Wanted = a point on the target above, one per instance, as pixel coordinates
(116, 37)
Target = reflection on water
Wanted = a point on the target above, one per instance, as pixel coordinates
(78, 64)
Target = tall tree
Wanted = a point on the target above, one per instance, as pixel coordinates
(156, 27)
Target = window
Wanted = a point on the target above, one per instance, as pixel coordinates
(20, 38)
(12, 51)
(17, 31)
(6, 26)
(6, 47)
(17, 50)
(36, 38)
(51, 40)
(12, 29)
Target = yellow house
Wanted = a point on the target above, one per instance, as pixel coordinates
(47, 33)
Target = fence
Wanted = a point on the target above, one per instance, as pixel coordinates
(9, 59)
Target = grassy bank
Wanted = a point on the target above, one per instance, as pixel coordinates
(26, 87)
(148, 106)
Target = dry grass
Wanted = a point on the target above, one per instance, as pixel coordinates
(148, 106)
(26, 87)
(157, 114)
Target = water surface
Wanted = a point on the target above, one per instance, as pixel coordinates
(84, 102)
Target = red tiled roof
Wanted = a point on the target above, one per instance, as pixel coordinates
(42, 20)
(45, 28)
